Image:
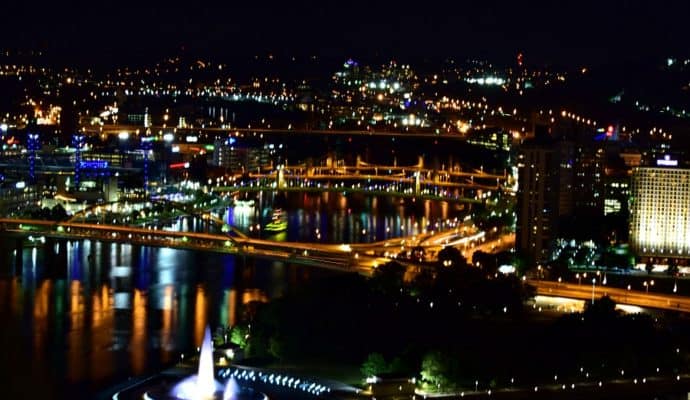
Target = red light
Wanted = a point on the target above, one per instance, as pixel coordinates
(179, 165)
(609, 131)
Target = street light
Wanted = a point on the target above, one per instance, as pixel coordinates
(594, 281)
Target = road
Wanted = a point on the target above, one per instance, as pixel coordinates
(117, 129)
(622, 296)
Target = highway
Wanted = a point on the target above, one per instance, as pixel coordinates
(360, 258)
(116, 129)
(586, 291)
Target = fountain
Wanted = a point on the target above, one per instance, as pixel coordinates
(203, 385)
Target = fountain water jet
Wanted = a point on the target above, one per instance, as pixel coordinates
(231, 390)
(203, 385)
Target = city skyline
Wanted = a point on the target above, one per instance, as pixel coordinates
(389, 200)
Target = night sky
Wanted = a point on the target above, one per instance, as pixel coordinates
(555, 32)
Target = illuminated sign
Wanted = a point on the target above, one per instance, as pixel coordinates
(93, 164)
(192, 139)
(667, 162)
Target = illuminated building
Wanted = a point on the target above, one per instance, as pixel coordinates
(491, 139)
(617, 181)
(227, 154)
(78, 141)
(588, 180)
(660, 211)
(33, 145)
(544, 195)
(617, 192)
(558, 178)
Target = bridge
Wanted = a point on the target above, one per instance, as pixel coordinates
(337, 257)
(362, 258)
(404, 181)
(116, 129)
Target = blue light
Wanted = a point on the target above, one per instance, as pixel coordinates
(33, 144)
(93, 164)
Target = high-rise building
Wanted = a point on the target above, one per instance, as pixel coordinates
(617, 180)
(588, 180)
(244, 159)
(544, 187)
(660, 211)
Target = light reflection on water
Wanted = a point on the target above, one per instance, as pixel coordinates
(94, 313)
(100, 312)
(327, 217)
(337, 218)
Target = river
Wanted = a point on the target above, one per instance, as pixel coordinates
(88, 314)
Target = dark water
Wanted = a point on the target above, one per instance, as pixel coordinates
(73, 324)
(338, 218)
(329, 217)
(79, 316)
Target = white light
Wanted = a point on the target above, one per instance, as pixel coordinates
(506, 269)
(3, 127)
(124, 135)
(168, 137)
(20, 185)
(667, 162)
(192, 139)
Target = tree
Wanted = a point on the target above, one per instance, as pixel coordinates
(601, 309)
(277, 347)
(449, 256)
(435, 370)
(238, 335)
(418, 253)
(389, 276)
(58, 213)
(374, 364)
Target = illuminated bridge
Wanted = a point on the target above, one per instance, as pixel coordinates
(338, 257)
(208, 134)
(404, 181)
